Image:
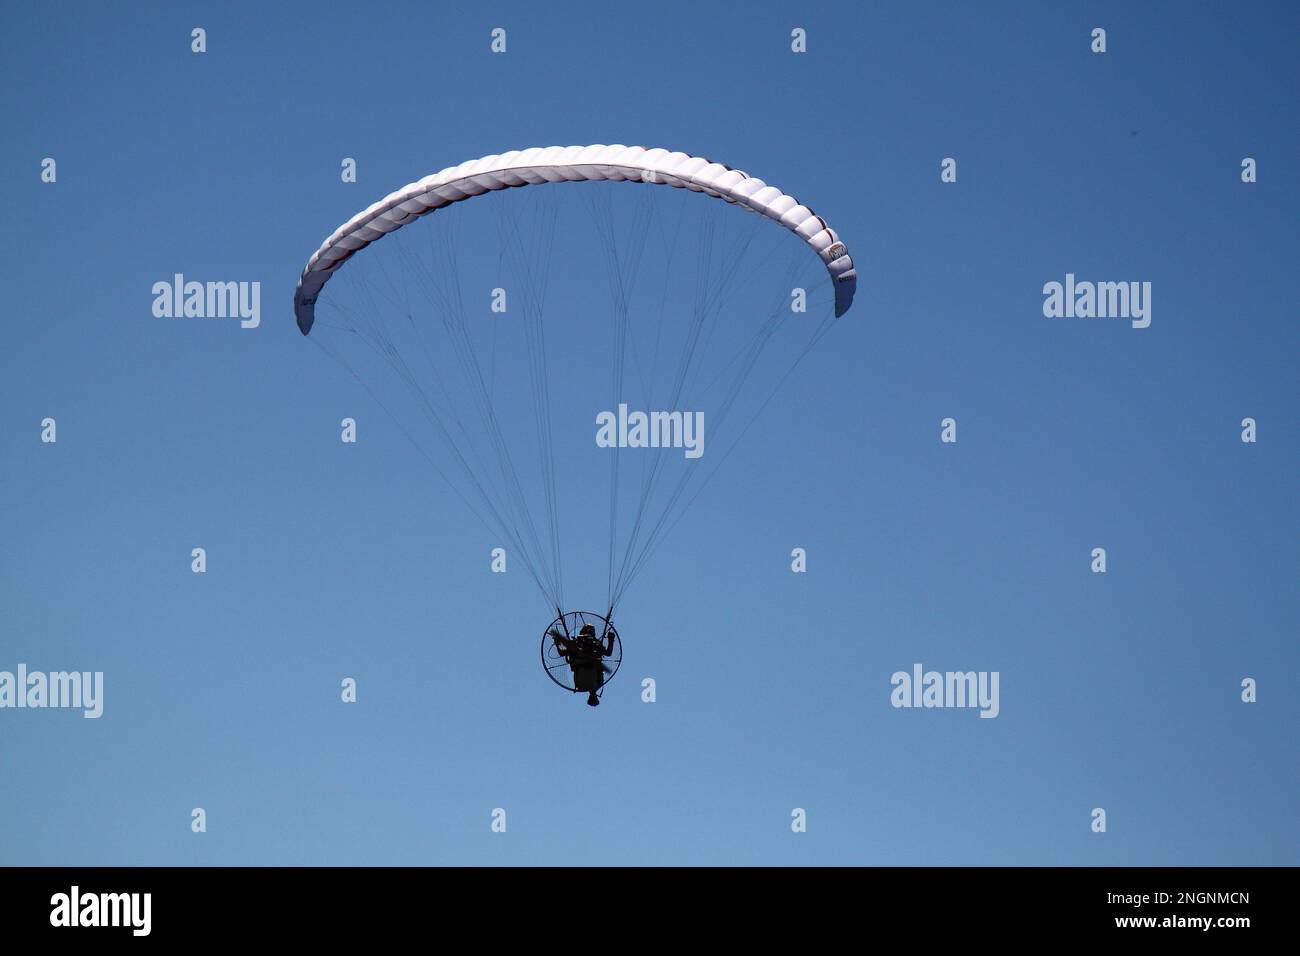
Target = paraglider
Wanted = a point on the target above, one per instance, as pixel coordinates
(581, 652)
(403, 330)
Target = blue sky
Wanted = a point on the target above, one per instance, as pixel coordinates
(1118, 691)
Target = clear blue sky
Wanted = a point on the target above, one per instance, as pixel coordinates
(1117, 691)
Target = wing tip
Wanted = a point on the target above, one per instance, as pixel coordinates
(305, 313)
(845, 286)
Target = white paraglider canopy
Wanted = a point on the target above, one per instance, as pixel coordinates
(559, 164)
